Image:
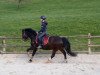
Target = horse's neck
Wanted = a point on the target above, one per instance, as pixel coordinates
(32, 39)
(33, 36)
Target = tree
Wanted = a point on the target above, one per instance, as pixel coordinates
(19, 1)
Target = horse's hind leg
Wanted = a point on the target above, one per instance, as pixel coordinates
(64, 53)
(53, 54)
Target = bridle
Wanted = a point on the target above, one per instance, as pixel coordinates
(24, 34)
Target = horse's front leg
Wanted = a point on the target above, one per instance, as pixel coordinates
(28, 50)
(34, 51)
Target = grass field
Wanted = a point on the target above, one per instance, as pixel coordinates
(65, 17)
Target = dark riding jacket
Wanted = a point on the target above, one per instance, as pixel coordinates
(42, 32)
(43, 26)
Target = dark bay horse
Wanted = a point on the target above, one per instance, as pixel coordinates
(55, 43)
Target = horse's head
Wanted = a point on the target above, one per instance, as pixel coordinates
(28, 33)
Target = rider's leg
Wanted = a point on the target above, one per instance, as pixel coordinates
(40, 37)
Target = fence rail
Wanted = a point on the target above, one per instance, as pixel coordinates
(88, 44)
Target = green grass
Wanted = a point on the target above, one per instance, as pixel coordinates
(65, 17)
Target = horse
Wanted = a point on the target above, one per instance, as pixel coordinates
(55, 43)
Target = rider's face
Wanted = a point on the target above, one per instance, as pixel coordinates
(41, 19)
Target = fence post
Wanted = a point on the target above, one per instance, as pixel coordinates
(89, 43)
(4, 45)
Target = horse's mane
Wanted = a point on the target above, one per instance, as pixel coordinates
(30, 30)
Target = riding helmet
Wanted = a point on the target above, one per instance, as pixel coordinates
(43, 17)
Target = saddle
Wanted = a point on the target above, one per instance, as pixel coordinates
(44, 40)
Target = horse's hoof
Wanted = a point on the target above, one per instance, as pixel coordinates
(49, 61)
(65, 61)
(30, 61)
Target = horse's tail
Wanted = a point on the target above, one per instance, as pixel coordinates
(67, 47)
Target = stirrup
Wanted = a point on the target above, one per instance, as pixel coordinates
(39, 47)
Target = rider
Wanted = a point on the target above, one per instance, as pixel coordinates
(42, 31)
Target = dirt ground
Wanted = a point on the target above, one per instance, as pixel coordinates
(17, 64)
